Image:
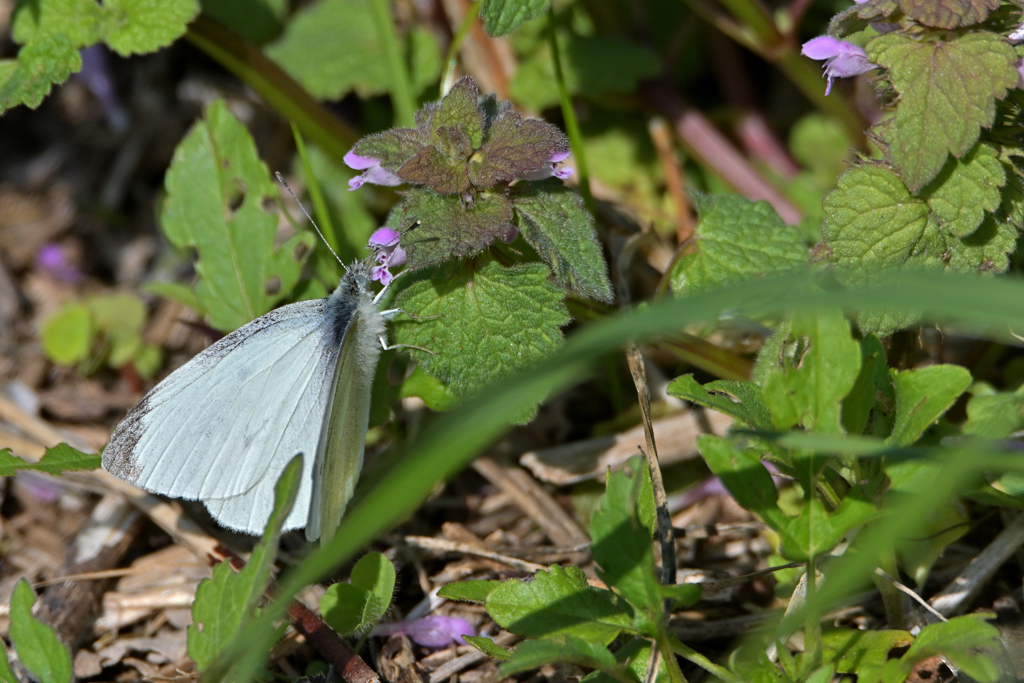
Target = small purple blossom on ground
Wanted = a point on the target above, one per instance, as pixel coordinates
(842, 59)
(372, 172)
(384, 244)
(435, 631)
(53, 260)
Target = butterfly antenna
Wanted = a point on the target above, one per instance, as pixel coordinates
(280, 179)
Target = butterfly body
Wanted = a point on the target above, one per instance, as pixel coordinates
(221, 428)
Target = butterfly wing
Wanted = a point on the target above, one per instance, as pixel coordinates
(221, 428)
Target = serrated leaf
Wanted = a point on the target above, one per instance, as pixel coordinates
(139, 26)
(442, 174)
(744, 476)
(968, 643)
(948, 89)
(494, 321)
(533, 654)
(447, 228)
(57, 460)
(749, 405)
(515, 147)
(737, 240)
(965, 190)
(559, 602)
(44, 62)
(37, 645)
(375, 574)
(591, 66)
(502, 17)
(67, 335)
(460, 109)
(810, 392)
(216, 190)
(226, 602)
(393, 147)
(489, 647)
(554, 221)
(468, 591)
(81, 21)
(948, 14)
(922, 396)
(350, 609)
(621, 543)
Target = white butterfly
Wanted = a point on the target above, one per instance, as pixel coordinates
(222, 427)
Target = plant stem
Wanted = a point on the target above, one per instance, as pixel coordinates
(453, 50)
(401, 90)
(272, 84)
(701, 661)
(319, 205)
(572, 125)
(664, 643)
(812, 627)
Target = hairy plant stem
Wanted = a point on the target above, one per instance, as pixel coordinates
(453, 50)
(401, 90)
(572, 125)
(272, 84)
(664, 643)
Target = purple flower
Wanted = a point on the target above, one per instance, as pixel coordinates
(435, 631)
(372, 172)
(551, 170)
(98, 78)
(385, 247)
(54, 261)
(842, 59)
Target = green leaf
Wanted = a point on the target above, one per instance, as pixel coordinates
(176, 292)
(948, 14)
(255, 20)
(6, 674)
(737, 240)
(871, 404)
(468, 591)
(448, 228)
(437, 395)
(495, 321)
(80, 21)
(922, 396)
(502, 17)
(965, 190)
(815, 531)
(559, 602)
(57, 460)
(994, 415)
(489, 647)
(514, 148)
(683, 594)
(968, 643)
(349, 609)
(375, 574)
(554, 221)
(67, 335)
(862, 653)
(118, 313)
(331, 47)
(139, 26)
(225, 603)
(809, 390)
(948, 89)
(748, 406)
(744, 476)
(621, 543)
(44, 62)
(533, 654)
(216, 190)
(591, 65)
(37, 645)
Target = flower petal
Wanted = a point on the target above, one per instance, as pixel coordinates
(823, 47)
(359, 162)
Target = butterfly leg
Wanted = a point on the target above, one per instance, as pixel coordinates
(384, 344)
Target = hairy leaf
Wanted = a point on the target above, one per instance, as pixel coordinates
(948, 14)
(447, 227)
(966, 190)
(502, 17)
(736, 240)
(948, 89)
(468, 591)
(554, 221)
(139, 26)
(749, 405)
(44, 62)
(489, 647)
(494, 321)
(515, 147)
(80, 21)
(216, 190)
